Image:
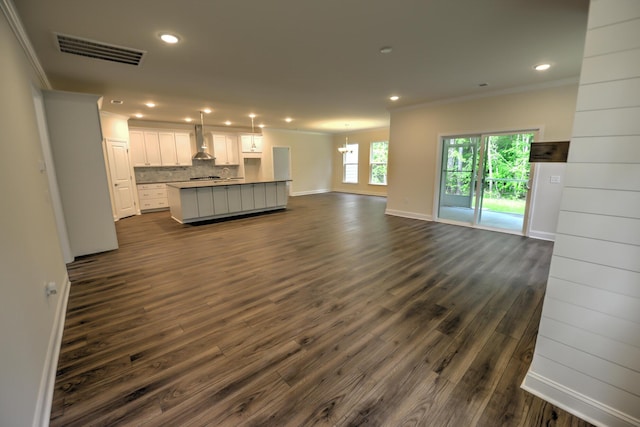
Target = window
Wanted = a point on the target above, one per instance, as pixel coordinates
(350, 164)
(378, 163)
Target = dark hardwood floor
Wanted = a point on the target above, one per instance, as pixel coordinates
(328, 313)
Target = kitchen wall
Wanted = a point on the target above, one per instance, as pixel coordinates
(310, 159)
(182, 173)
(587, 355)
(364, 140)
(29, 246)
(416, 132)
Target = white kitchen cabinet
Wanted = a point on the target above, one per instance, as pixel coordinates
(159, 148)
(183, 149)
(251, 145)
(168, 153)
(225, 150)
(145, 148)
(152, 196)
(175, 149)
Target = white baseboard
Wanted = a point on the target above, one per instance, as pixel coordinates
(364, 193)
(412, 215)
(306, 193)
(576, 403)
(542, 235)
(47, 381)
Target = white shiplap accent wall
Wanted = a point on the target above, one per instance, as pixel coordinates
(587, 356)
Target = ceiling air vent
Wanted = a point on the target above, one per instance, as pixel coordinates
(98, 50)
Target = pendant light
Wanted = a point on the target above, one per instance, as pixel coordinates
(344, 149)
(253, 143)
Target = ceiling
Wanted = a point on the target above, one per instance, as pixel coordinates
(316, 61)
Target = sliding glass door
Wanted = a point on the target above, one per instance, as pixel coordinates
(484, 180)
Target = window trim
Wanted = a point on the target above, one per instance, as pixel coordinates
(372, 163)
(356, 163)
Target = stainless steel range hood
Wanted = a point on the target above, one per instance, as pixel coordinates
(201, 143)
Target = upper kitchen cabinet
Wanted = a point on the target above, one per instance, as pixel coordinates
(251, 145)
(225, 149)
(145, 148)
(183, 149)
(175, 149)
(158, 148)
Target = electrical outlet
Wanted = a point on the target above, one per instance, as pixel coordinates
(50, 288)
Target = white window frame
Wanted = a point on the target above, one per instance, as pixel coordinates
(372, 163)
(352, 147)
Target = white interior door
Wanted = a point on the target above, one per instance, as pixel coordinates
(119, 169)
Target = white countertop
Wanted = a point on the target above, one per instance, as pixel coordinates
(219, 182)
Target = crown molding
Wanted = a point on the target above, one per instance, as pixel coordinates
(10, 12)
(519, 89)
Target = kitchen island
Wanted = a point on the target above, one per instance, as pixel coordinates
(203, 200)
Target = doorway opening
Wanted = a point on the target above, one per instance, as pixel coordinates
(485, 180)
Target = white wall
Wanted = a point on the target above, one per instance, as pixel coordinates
(364, 140)
(415, 135)
(73, 121)
(30, 254)
(587, 355)
(114, 126)
(311, 156)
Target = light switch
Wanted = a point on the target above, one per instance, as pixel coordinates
(555, 179)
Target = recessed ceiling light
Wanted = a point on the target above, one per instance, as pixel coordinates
(253, 116)
(138, 115)
(207, 110)
(386, 49)
(169, 38)
(288, 120)
(394, 97)
(228, 123)
(542, 67)
(261, 125)
(117, 102)
(188, 119)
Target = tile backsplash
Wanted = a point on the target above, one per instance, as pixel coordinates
(183, 173)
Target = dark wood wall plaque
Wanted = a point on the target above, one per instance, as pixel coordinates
(556, 151)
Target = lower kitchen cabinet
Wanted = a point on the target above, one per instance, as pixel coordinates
(220, 202)
(282, 193)
(246, 197)
(191, 202)
(259, 196)
(270, 194)
(234, 197)
(205, 201)
(152, 197)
